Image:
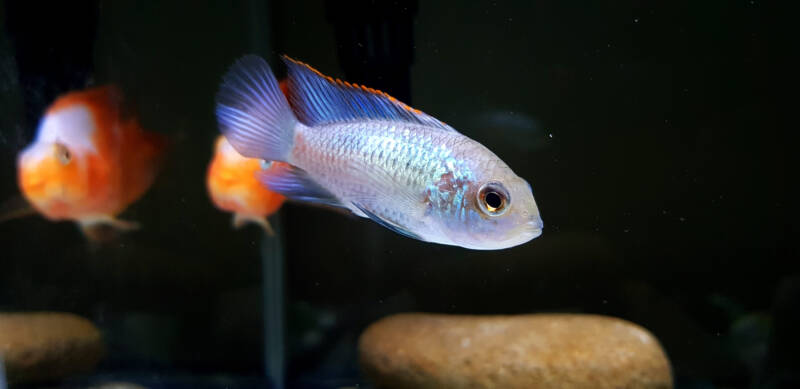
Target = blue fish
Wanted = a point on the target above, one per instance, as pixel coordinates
(360, 149)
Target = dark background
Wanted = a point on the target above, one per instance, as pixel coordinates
(652, 134)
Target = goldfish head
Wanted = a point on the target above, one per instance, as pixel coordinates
(52, 170)
(233, 184)
(485, 207)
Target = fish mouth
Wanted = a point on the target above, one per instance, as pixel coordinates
(534, 227)
(531, 230)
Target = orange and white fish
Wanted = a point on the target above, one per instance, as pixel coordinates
(90, 160)
(234, 187)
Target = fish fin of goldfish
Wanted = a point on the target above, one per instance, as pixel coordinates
(253, 113)
(111, 221)
(239, 221)
(98, 234)
(123, 225)
(319, 99)
(387, 223)
(105, 228)
(15, 208)
(264, 223)
(295, 183)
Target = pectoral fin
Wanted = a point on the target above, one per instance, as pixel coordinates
(295, 184)
(387, 223)
(102, 229)
(239, 220)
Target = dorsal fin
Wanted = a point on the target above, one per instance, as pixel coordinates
(318, 99)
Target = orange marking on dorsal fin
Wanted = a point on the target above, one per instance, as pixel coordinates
(355, 86)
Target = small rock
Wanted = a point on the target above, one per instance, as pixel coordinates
(526, 351)
(48, 346)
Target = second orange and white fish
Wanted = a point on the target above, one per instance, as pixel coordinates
(89, 161)
(234, 187)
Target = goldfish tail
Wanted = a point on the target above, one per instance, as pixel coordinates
(253, 113)
(15, 208)
(239, 220)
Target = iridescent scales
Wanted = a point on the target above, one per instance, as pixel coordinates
(360, 149)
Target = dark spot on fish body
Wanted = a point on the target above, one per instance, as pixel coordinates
(300, 144)
(449, 194)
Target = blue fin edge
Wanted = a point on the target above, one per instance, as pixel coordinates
(320, 99)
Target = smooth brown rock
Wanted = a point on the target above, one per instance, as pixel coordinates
(527, 351)
(48, 346)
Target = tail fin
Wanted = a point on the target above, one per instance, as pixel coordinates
(253, 113)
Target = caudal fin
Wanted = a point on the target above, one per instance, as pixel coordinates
(253, 113)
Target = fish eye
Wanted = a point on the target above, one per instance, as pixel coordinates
(265, 164)
(63, 154)
(493, 199)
